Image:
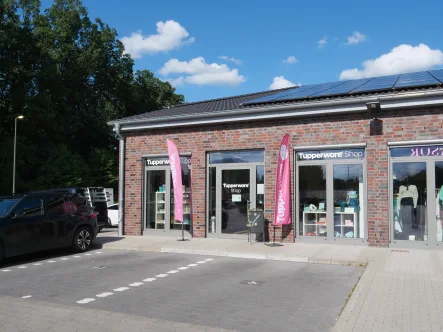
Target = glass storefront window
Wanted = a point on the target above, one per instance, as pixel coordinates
(156, 199)
(159, 194)
(212, 199)
(409, 201)
(260, 197)
(348, 201)
(312, 200)
(439, 198)
(234, 157)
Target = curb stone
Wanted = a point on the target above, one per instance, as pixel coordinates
(262, 256)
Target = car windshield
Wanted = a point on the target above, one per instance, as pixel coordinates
(6, 204)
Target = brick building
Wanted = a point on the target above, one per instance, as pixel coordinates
(366, 164)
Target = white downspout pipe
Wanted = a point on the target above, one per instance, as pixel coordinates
(121, 181)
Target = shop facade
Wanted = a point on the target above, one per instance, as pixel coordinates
(350, 184)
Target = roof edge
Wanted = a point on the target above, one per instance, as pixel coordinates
(272, 108)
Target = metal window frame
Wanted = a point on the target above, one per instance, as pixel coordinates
(329, 193)
(166, 231)
(429, 161)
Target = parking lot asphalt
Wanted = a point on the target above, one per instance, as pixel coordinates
(107, 290)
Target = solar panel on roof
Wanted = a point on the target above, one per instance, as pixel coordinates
(415, 79)
(270, 97)
(385, 83)
(378, 83)
(346, 87)
(438, 74)
(312, 90)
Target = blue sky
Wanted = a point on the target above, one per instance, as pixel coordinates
(400, 36)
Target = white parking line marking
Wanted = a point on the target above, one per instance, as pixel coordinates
(76, 256)
(88, 254)
(6, 270)
(136, 284)
(161, 275)
(26, 297)
(173, 271)
(183, 268)
(192, 264)
(64, 259)
(37, 264)
(201, 262)
(51, 261)
(150, 279)
(98, 252)
(121, 289)
(209, 259)
(104, 294)
(22, 267)
(87, 300)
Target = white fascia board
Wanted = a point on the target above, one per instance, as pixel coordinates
(246, 117)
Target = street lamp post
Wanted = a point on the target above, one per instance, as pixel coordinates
(15, 148)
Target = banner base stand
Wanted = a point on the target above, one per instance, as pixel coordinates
(274, 244)
(183, 233)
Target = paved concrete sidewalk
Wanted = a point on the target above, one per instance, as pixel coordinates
(400, 290)
(297, 252)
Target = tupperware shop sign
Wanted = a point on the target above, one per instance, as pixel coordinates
(331, 154)
(165, 161)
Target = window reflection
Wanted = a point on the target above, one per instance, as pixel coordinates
(312, 200)
(260, 199)
(409, 203)
(348, 201)
(245, 156)
(439, 198)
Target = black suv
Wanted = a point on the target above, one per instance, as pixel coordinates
(45, 220)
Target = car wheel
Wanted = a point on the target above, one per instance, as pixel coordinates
(82, 239)
(109, 223)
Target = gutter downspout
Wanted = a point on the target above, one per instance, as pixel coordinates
(121, 180)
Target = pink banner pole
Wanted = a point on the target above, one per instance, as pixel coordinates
(282, 204)
(176, 174)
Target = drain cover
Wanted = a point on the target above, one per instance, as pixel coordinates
(100, 267)
(252, 282)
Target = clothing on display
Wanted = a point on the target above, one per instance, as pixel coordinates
(409, 191)
(407, 215)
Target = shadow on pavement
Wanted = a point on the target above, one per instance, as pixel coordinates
(38, 256)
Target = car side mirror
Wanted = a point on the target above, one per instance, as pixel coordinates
(15, 215)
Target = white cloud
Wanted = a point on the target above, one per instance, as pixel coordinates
(356, 38)
(226, 58)
(280, 82)
(322, 42)
(170, 35)
(401, 59)
(291, 59)
(199, 72)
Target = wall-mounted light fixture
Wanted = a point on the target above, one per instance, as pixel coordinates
(376, 124)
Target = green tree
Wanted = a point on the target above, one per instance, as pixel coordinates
(68, 75)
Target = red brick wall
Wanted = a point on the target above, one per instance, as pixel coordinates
(421, 124)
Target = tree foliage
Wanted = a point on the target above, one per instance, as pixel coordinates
(68, 75)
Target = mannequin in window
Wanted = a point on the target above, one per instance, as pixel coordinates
(408, 195)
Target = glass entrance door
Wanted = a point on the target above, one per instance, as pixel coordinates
(236, 194)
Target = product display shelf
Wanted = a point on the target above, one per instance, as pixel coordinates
(186, 207)
(344, 222)
(314, 222)
(160, 208)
